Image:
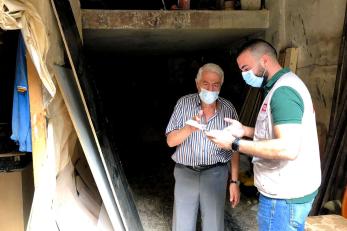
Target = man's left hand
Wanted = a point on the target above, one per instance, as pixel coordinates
(234, 191)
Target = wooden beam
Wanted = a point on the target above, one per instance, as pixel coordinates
(291, 58)
(11, 154)
(38, 120)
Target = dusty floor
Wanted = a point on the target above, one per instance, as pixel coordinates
(153, 193)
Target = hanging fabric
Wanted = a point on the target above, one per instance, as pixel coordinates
(21, 128)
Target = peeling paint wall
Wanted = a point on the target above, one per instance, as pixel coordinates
(315, 27)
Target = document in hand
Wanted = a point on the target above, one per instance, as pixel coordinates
(196, 124)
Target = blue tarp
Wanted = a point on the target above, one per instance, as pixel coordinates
(21, 128)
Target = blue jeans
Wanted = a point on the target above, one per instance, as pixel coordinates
(278, 215)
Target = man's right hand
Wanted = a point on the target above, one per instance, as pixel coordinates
(235, 128)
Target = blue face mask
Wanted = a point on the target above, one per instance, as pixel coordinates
(208, 97)
(251, 79)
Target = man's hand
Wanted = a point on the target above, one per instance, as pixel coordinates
(176, 137)
(197, 118)
(234, 191)
(221, 138)
(235, 128)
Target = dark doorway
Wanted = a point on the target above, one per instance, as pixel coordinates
(138, 94)
(8, 48)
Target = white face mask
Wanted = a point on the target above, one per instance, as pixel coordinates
(208, 97)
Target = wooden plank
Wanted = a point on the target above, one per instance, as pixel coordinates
(281, 57)
(291, 58)
(38, 120)
(92, 130)
(10, 154)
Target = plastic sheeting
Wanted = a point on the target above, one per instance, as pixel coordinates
(67, 198)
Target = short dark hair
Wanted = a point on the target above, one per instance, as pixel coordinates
(258, 46)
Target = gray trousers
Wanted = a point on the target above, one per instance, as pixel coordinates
(206, 189)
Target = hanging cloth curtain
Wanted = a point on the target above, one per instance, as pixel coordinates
(21, 128)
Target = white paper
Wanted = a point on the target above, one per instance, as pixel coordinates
(196, 124)
(214, 133)
(219, 134)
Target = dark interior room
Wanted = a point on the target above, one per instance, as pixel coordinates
(139, 92)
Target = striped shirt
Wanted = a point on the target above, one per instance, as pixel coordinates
(197, 149)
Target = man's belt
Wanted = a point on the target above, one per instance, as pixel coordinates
(199, 168)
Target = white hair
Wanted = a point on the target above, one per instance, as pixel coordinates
(212, 68)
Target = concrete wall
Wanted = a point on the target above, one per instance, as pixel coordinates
(315, 27)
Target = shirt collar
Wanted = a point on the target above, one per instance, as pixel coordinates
(274, 79)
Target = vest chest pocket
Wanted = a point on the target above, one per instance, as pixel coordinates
(262, 126)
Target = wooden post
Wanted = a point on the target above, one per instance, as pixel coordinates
(38, 119)
(291, 58)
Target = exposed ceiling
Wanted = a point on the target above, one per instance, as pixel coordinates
(143, 5)
(158, 32)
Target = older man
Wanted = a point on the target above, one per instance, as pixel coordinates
(202, 169)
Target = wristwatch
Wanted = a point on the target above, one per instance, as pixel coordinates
(235, 145)
(234, 182)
